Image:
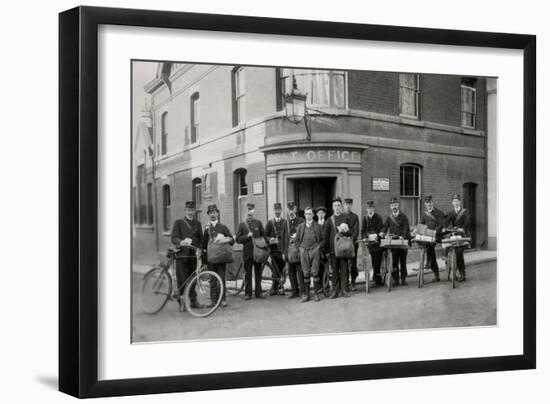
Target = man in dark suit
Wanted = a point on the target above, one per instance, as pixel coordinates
(321, 213)
(354, 221)
(397, 224)
(276, 231)
(338, 223)
(459, 218)
(248, 230)
(310, 240)
(434, 219)
(294, 272)
(372, 225)
(216, 232)
(187, 232)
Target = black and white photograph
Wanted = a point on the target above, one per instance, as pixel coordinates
(291, 201)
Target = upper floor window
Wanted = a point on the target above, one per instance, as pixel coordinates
(197, 193)
(409, 89)
(324, 88)
(164, 133)
(239, 95)
(195, 117)
(468, 103)
(166, 205)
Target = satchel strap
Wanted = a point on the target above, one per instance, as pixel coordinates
(430, 215)
(393, 219)
(460, 214)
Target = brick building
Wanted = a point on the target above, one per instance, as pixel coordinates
(220, 135)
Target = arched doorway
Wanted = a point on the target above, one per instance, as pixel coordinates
(470, 203)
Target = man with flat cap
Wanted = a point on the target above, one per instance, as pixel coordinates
(459, 218)
(216, 232)
(354, 220)
(275, 231)
(248, 230)
(397, 224)
(372, 225)
(434, 219)
(187, 232)
(338, 224)
(294, 271)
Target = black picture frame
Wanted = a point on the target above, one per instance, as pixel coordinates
(78, 196)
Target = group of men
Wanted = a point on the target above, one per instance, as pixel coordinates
(308, 245)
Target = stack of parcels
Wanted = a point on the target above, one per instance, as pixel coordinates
(422, 233)
(388, 241)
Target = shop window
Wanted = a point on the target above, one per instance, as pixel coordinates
(197, 193)
(324, 88)
(409, 90)
(194, 117)
(166, 204)
(240, 195)
(468, 103)
(164, 133)
(238, 93)
(410, 191)
(150, 220)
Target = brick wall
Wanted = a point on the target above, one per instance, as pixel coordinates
(374, 91)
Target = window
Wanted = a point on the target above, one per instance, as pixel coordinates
(140, 179)
(150, 204)
(166, 207)
(410, 191)
(197, 193)
(239, 95)
(240, 195)
(324, 88)
(409, 88)
(468, 104)
(194, 117)
(164, 133)
(136, 207)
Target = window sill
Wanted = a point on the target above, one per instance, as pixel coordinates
(167, 233)
(144, 227)
(411, 120)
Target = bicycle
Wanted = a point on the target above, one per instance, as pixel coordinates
(202, 291)
(388, 243)
(365, 244)
(423, 244)
(455, 240)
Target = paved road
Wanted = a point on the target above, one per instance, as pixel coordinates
(473, 303)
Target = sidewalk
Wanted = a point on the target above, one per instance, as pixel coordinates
(472, 257)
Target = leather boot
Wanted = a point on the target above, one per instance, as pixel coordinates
(305, 295)
(316, 287)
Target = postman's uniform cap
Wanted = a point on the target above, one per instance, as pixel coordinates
(456, 196)
(190, 204)
(337, 199)
(348, 200)
(321, 208)
(370, 204)
(250, 206)
(428, 198)
(394, 200)
(291, 205)
(277, 205)
(212, 208)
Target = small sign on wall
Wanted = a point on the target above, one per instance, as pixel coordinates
(380, 184)
(258, 188)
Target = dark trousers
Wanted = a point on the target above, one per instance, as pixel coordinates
(376, 260)
(431, 260)
(277, 256)
(399, 263)
(296, 278)
(460, 260)
(220, 270)
(248, 264)
(354, 272)
(339, 273)
(185, 267)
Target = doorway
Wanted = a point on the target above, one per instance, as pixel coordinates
(313, 192)
(469, 196)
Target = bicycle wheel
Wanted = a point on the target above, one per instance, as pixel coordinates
(421, 268)
(269, 273)
(389, 270)
(453, 267)
(203, 294)
(156, 290)
(234, 283)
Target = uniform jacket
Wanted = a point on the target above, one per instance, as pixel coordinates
(277, 230)
(354, 220)
(257, 229)
(214, 231)
(318, 231)
(462, 220)
(399, 227)
(330, 230)
(372, 225)
(185, 228)
(434, 220)
(291, 228)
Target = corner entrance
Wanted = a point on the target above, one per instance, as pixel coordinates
(313, 192)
